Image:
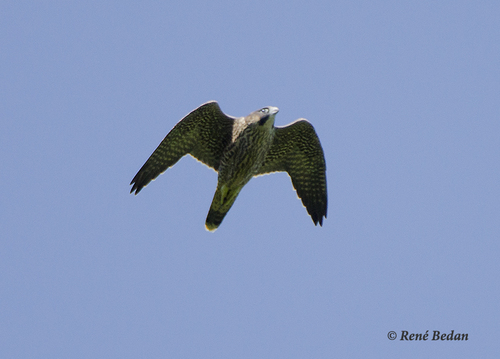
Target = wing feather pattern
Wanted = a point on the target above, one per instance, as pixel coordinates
(297, 150)
(203, 133)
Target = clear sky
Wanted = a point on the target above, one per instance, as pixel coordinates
(405, 97)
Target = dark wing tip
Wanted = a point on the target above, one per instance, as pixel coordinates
(139, 182)
(135, 187)
(317, 216)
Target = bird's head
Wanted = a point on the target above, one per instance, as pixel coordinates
(265, 116)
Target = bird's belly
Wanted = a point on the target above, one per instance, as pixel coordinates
(239, 170)
(243, 160)
(238, 176)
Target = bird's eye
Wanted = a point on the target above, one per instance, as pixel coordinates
(265, 110)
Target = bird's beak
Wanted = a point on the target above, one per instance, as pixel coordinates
(273, 110)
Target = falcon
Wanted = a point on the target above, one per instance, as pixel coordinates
(240, 148)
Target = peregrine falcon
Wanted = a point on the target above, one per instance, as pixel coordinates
(239, 148)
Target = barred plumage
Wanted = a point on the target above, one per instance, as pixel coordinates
(239, 149)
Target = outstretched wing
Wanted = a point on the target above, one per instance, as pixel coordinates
(203, 133)
(296, 149)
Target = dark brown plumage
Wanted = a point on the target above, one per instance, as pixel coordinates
(239, 149)
(296, 150)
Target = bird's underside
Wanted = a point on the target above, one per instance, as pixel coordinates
(239, 149)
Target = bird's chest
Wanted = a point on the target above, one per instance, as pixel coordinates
(244, 157)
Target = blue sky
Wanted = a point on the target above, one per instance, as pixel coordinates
(405, 99)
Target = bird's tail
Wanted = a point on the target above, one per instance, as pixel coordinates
(221, 204)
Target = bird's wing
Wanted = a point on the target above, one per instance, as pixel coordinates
(203, 133)
(296, 149)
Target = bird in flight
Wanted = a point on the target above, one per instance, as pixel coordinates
(239, 148)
